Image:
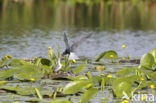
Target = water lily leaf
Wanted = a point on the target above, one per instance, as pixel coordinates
(153, 52)
(25, 72)
(90, 85)
(88, 95)
(146, 84)
(75, 86)
(18, 62)
(126, 71)
(9, 73)
(9, 88)
(45, 61)
(28, 72)
(79, 69)
(25, 91)
(33, 100)
(152, 75)
(60, 101)
(21, 90)
(3, 82)
(29, 75)
(107, 55)
(80, 77)
(130, 79)
(147, 61)
(123, 85)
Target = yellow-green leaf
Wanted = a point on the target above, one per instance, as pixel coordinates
(79, 69)
(147, 61)
(75, 86)
(88, 95)
(60, 101)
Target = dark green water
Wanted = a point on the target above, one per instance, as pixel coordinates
(28, 27)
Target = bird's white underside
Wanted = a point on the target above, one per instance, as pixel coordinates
(73, 56)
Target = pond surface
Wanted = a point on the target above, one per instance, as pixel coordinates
(27, 28)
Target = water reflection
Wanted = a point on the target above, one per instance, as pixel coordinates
(28, 27)
(102, 15)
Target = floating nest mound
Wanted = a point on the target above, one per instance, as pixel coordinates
(136, 61)
(59, 76)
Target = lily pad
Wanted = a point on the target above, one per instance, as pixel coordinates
(45, 61)
(60, 101)
(18, 62)
(75, 86)
(88, 95)
(3, 82)
(81, 77)
(152, 75)
(107, 55)
(79, 69)
(25, 91)
(9, 73)
(9, 88)
(123, 86)
(25, 72)
(146, 84)
(153, 52)
(147, 61)
(126, 71)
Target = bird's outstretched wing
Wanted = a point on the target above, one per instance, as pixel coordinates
(76, 44)
(66, 41)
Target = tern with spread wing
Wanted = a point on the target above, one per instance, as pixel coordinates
(70, 50)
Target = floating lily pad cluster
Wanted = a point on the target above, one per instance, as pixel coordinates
(122, 84)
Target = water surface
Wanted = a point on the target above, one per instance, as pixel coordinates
(27, 28)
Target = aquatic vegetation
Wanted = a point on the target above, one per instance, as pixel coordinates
(147, 61)
(79, 69)
(153, 52)
(75, 86)
(100, 67)
(124, 47)
(60, 101)
(89, 94)
(77, 78)
(107, 55)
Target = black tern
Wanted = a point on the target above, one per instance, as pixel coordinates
(70, 50)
